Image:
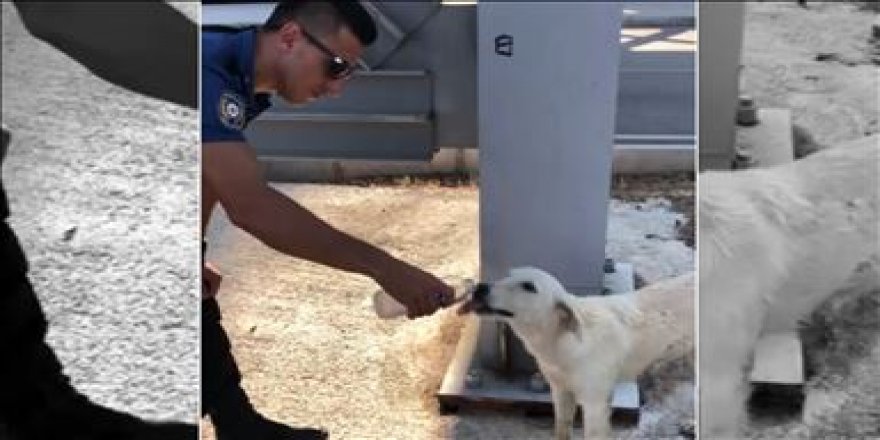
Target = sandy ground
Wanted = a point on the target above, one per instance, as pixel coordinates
(831, 100)
(103, 193)
(312, 352)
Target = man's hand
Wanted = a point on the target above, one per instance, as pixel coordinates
(211, 279)
(421, 292)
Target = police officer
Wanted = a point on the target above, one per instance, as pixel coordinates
(306, 50)
(118, 42)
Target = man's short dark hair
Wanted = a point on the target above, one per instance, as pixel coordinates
(325, 17)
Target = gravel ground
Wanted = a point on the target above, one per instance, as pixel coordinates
(822, 64)
(103, 192)
(312, 352)
(834, 100)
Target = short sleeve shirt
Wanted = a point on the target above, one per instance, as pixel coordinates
(229, 103)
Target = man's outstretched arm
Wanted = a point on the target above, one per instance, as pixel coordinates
(145, 46)
(231, 172)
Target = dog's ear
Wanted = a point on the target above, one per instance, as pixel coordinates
(566, 317)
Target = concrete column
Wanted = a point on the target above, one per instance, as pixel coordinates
(548, 76)
(720, 45)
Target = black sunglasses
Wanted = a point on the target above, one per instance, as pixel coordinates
(337, 67)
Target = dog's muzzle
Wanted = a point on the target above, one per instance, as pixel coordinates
(479, 304)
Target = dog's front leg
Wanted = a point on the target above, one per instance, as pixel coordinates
(595, 407)
(723, 391)
(564, 408)
(725, 349)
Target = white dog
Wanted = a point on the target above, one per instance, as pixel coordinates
(774, 243)
(585, 345)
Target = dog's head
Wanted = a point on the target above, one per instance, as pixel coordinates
(526, 295)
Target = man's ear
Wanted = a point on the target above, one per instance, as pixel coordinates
(568, 321)
(290, 32)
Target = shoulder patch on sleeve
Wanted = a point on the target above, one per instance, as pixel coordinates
(231, 110)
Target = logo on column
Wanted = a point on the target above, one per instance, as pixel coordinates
(504, 45)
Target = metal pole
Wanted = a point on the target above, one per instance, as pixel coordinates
(548, 76)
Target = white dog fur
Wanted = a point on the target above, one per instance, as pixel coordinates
(774, 243)
(585, 345)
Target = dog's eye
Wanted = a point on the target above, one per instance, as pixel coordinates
(528, 287)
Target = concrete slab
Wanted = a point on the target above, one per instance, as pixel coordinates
(622, 280)
(778, 359)
(626, 395)
(769, 142)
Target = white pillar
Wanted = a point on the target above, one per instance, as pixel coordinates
(720, 44)
(547, 102)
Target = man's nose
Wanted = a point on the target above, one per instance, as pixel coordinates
(481, 291)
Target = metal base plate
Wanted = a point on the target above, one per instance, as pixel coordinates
(777, 374)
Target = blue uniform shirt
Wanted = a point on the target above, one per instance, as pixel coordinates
(228, 99)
